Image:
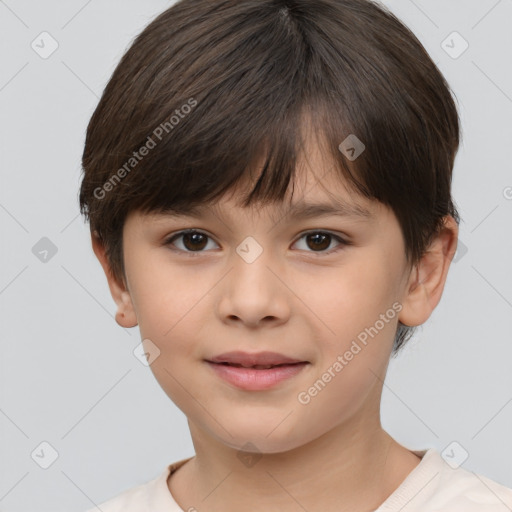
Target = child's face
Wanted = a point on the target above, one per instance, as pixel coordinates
(294, 299)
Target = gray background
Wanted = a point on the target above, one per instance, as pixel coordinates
(68, 374)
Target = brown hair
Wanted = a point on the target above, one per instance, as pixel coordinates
(211, 86)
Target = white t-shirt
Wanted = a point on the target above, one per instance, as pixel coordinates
(432, 486)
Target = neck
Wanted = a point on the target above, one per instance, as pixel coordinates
(352, 467)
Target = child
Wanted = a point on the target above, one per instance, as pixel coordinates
(260, 130)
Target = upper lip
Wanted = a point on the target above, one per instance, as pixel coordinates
(254, 359)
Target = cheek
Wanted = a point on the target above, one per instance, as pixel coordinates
(342, 397)
(354, 294)
(171, 309)
(359, 314)
(159, 294)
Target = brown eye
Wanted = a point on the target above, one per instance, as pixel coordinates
(194, 241)
(191, 241)
(319, 241)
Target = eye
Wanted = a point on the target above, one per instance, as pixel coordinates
(192, 240)
(321, 240)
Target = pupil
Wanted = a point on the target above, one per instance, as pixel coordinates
(320, 237)
(194, 238)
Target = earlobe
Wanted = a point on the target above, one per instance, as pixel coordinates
(427, 279)
(125, 315)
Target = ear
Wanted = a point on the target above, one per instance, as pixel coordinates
(125, 315)
(427, 279)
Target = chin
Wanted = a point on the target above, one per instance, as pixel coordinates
(258, 441)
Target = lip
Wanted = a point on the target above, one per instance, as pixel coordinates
(252, 379)
(253, 359)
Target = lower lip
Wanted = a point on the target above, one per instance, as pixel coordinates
(252, 379)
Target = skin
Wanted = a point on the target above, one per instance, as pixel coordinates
(332, 453)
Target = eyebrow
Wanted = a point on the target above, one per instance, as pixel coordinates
(298, 210)
(304, 210)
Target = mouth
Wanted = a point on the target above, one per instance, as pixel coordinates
(259, 360)
(257, 377)
(258, 366)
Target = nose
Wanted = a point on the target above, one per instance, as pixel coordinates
(252, 294)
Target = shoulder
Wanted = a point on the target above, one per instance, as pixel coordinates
(436, 485)
(446, 487)
(130, 500)
(148, 497)
(466, 491)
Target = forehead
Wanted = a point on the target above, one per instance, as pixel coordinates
(318, 189)
(313, 195)
(318, 186)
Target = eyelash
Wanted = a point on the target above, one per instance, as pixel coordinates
(342, 242)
